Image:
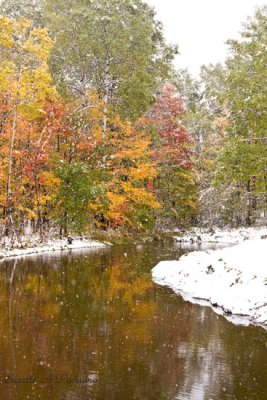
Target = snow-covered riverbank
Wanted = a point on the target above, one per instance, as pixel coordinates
(52, 245)
(233, 279)
(198, 235)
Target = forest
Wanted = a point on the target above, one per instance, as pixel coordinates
(99, 131)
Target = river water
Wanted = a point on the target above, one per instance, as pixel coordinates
(91, 325)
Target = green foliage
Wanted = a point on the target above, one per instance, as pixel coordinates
(242, 161)
(31, 9)
(178, 193)
(246, 82)
(78, 186)
(119, 51)
(226, 115)
(114, 47)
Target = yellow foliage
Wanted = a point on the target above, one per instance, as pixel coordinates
(24, 72)
(39, 43)
(130, 170)
(141, 172)
(50, 179)
(140, 196)
(6, 32)
(116, 199)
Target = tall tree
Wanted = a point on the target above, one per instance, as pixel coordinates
(25, 82)
(172, 151)
(243, 159)
(131, 172)
(115, 48)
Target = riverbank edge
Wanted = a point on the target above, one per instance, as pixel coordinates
(50, 246)
(236, 319)
(232, 280)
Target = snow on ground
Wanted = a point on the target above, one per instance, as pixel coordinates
(52, 245)
(198, 235)
(233, 279)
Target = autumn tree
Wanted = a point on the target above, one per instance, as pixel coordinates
(125, 174)
(172, 152)
(132, 172)
(25, 83)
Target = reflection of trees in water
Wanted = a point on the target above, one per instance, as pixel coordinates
(204, 356)
(10, 319)
(100, 314)
(247, 361)
(223, 361)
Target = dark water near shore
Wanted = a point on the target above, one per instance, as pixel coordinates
(93, 325)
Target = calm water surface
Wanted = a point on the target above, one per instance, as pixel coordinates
(92, 325)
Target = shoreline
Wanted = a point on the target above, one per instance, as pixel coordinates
(232, 280)
(50, 246)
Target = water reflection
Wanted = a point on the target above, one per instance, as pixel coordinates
(92, 325)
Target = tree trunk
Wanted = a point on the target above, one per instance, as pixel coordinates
(265, 184)
(65, 224)
(248, 218)
(106, 98)
(105, 112)
(9, 219)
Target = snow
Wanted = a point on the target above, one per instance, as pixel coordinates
(233, 280)
(197, 235)
(51, 245)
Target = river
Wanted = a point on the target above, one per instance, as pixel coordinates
(91, 324)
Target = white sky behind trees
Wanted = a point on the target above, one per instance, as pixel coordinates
(201, 27)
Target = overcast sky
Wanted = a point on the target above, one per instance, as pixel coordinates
(201, 27)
